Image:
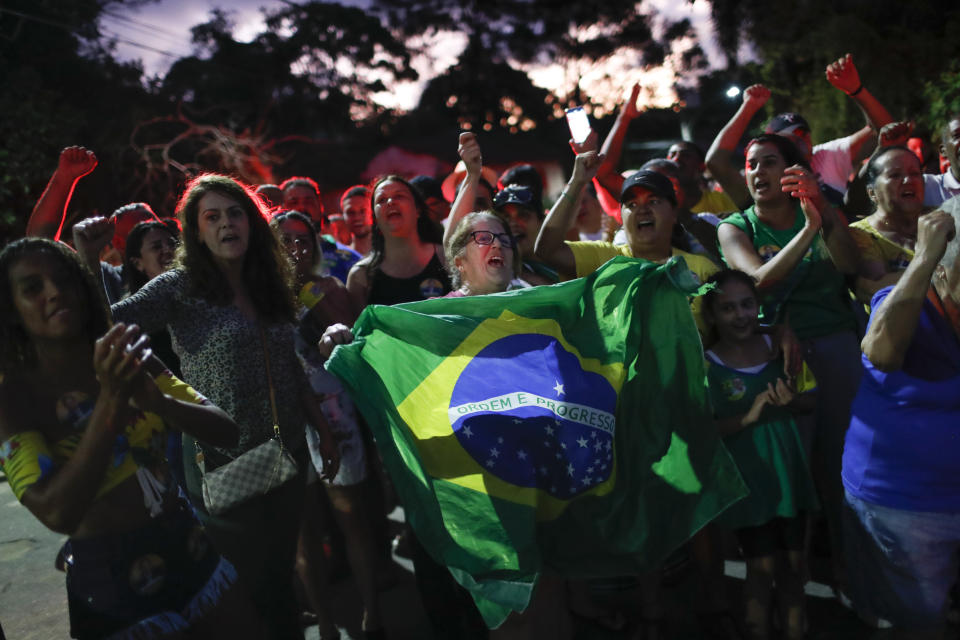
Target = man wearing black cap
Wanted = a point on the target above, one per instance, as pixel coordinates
(648, 207)
(831, 161)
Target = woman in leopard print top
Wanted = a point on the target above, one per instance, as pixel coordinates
(231, 280)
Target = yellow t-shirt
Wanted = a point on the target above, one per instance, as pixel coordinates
(590, 256)
(874, 246)
(27, 457)
(714, 202)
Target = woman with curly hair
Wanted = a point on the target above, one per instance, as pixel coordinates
(84, 411)
(229, 306)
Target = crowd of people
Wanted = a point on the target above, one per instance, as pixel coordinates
(164, 400)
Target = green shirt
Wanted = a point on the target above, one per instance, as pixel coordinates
(814, 296)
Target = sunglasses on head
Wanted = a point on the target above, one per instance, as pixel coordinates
(513, 195)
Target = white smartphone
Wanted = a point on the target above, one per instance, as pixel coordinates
(579, 123)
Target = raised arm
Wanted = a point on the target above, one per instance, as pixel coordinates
(469, 150)
(843, 75)
(612, 149)
(550, 246)
(895, 320)
(720, 160)
(90, 236)
(48, 215)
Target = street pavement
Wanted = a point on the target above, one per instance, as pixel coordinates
(33, 604)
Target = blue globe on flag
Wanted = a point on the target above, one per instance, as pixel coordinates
(525, 409)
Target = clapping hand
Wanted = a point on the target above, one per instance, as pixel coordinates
(118, 358)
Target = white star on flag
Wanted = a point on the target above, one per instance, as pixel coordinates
(494, 453)
(522, 454)
(559, 389)
(582, 442)
(549, 430)
(467, 431)
(570, 470)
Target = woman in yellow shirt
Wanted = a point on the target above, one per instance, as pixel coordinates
(82, 436)
(886, 238)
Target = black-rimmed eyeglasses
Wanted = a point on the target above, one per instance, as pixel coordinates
(486, 237)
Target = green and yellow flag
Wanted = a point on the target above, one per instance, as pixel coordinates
(562, 428)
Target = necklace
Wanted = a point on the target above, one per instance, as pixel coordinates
(890, 231)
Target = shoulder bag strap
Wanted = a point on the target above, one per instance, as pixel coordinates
(273, 396)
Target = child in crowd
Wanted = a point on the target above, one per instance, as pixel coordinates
(752, 404)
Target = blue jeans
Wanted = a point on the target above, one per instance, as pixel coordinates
(901, 564)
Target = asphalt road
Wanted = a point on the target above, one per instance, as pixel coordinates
(33, 598)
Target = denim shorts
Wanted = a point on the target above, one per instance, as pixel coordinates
(147, 583)
(901, 564)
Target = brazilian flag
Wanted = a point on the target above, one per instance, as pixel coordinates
(562, 428)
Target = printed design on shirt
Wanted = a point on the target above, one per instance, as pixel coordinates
(898, 263)
(148, 573)
(767, 251)
(734, 389)
(74, 409)
(431, 288)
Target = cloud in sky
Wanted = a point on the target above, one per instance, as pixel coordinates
(165, 26)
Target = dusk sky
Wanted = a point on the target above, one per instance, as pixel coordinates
(165, 26)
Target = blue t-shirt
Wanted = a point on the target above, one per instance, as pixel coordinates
(337, 258)
(903, 443)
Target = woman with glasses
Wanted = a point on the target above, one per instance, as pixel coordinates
(517, 205)
(482, 254)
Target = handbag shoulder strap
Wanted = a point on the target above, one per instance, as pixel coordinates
(273, 395)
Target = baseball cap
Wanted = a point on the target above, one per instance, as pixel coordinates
(653, 182)
(784, 123)
(519, 195)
